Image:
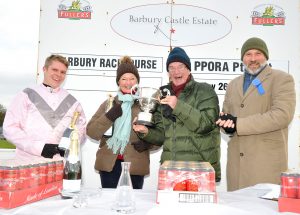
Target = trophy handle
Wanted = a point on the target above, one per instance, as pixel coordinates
(135, 90)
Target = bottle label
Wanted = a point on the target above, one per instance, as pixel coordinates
(65, 140)
(64, 143)
(71, 185)
(73, 159)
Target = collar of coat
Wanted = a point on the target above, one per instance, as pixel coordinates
(262, 76)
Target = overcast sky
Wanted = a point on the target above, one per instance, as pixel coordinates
(19, 33)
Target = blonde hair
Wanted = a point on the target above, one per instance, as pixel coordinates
(58, 58)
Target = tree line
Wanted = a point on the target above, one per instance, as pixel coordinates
(2, 114)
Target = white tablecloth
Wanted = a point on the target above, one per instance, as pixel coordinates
(241, 202)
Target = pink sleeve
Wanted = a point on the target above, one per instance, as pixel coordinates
(14, 124)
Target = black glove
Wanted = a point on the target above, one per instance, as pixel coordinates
(141, 145)
(228, 116)
(166, 90)
(61, 152)
(230, 130)
(114, 113)
(50, 150)
(167, 112)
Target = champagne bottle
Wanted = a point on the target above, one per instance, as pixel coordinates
(65, 140)
(72, 168)
(109, 105)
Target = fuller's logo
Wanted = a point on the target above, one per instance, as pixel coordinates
(268, 15)
(77, 9)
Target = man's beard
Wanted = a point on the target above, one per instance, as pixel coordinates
(254, 72)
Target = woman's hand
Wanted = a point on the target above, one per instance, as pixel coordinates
(139, 128)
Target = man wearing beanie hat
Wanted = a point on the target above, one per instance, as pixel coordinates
(122, 144)
(257, 110)
(184, 122)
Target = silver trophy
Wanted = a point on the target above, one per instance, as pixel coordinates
(148, 98)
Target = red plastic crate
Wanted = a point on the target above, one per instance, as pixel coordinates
(12, 199)
(288, 205)
(186, 181)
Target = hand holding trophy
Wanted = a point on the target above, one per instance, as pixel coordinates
(148, 99)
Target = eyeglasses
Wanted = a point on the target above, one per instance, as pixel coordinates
(179, 68)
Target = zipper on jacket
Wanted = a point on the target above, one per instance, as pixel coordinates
(173, 142)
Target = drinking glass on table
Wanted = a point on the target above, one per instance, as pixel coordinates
(82, 198)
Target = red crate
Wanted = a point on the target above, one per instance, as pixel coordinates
(186, 181)
(12, 199)
(288, 205)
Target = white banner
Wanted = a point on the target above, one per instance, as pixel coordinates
(93, 35)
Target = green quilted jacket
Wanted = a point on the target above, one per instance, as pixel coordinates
(194, 135)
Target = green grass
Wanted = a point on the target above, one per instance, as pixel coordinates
(6, 145)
